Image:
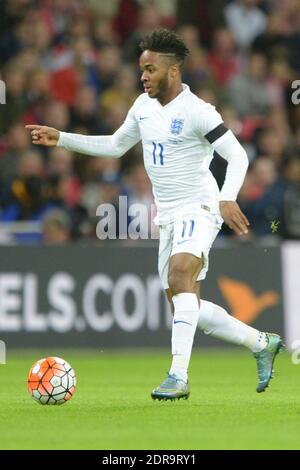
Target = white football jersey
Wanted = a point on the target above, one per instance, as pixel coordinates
(176, 154)
(178, 143)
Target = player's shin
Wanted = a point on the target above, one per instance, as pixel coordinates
(215, 321)
(186, 313)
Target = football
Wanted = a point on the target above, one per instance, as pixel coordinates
(51, 381)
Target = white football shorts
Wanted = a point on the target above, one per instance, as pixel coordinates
(193, 234)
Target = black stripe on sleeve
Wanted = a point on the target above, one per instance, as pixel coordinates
(216, 133)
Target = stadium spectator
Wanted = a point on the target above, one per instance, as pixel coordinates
(247, 91)
(56, 228)
(15, 82)
(223, 58)
(245, 20)
(16, 143)
(56, 111)
(60, 163)
(196, 71)
(123, 91)
(265, 204)
(291, 201)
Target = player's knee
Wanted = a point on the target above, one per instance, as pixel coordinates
(179, 279)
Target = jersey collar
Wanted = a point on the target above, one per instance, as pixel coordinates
(182, 94)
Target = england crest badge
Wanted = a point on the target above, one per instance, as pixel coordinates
(176, 126)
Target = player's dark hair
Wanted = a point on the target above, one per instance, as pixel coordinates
(166, 42)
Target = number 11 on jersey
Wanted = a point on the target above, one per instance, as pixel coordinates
(158, 153)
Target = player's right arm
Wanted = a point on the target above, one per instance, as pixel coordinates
(43, 135)
(111, 146)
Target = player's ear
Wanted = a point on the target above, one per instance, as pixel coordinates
(174, 70)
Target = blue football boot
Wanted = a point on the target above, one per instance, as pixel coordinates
(265, 360)
(172, 388)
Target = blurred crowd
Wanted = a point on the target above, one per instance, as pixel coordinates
(73, 65)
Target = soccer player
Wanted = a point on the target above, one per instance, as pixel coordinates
(179, 134)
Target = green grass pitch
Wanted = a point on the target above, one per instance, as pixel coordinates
(112, 408)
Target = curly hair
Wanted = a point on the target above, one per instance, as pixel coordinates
(167, 42)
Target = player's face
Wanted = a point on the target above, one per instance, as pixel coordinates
(157, 74)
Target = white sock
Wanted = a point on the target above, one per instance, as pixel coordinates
(215, 321)
(186, 313)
